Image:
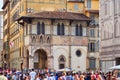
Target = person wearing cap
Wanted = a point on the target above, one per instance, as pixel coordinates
(2, 77)
(52, 77)
(69, 76)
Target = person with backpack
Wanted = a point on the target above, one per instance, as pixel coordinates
(9, 76)
(88, 76)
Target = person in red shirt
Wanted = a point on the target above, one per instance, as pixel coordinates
(109, 76)
(93, 76)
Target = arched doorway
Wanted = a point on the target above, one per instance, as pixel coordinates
(40, 59)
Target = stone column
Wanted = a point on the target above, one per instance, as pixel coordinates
(50, 62)
(31, 62)
(31, 58)
(50, 56)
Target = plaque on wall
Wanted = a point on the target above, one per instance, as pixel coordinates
(36, 58)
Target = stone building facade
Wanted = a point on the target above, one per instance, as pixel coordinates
(56, 40)
(110, 32)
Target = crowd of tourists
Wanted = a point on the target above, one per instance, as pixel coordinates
(38, 75)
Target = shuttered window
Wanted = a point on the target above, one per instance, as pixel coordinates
(91, 47)
(92, 63)
(88, 4)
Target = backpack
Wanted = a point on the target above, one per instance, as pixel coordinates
(68, 78)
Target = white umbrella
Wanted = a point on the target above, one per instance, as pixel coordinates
(64, 69)
(115, 67)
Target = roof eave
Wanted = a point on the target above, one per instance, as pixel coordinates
(24, 18)
(4, 5)
(31, 17)
(93, 11)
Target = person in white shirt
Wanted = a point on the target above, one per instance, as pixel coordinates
(32, 74)
(2, 77)
(63, 76)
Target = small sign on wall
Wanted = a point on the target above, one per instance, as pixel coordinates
(78, 66)
(36, 57)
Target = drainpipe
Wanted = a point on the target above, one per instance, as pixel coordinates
(26, 6)
(114, 34)
(69, 36)
(26, 50)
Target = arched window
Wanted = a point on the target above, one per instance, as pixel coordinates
(62, 29)
(78, 30)
(48, 39)
(33, 39)
(43, 28)
(58, 29)
(41, 39)
(61, 61)
(38, 28)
